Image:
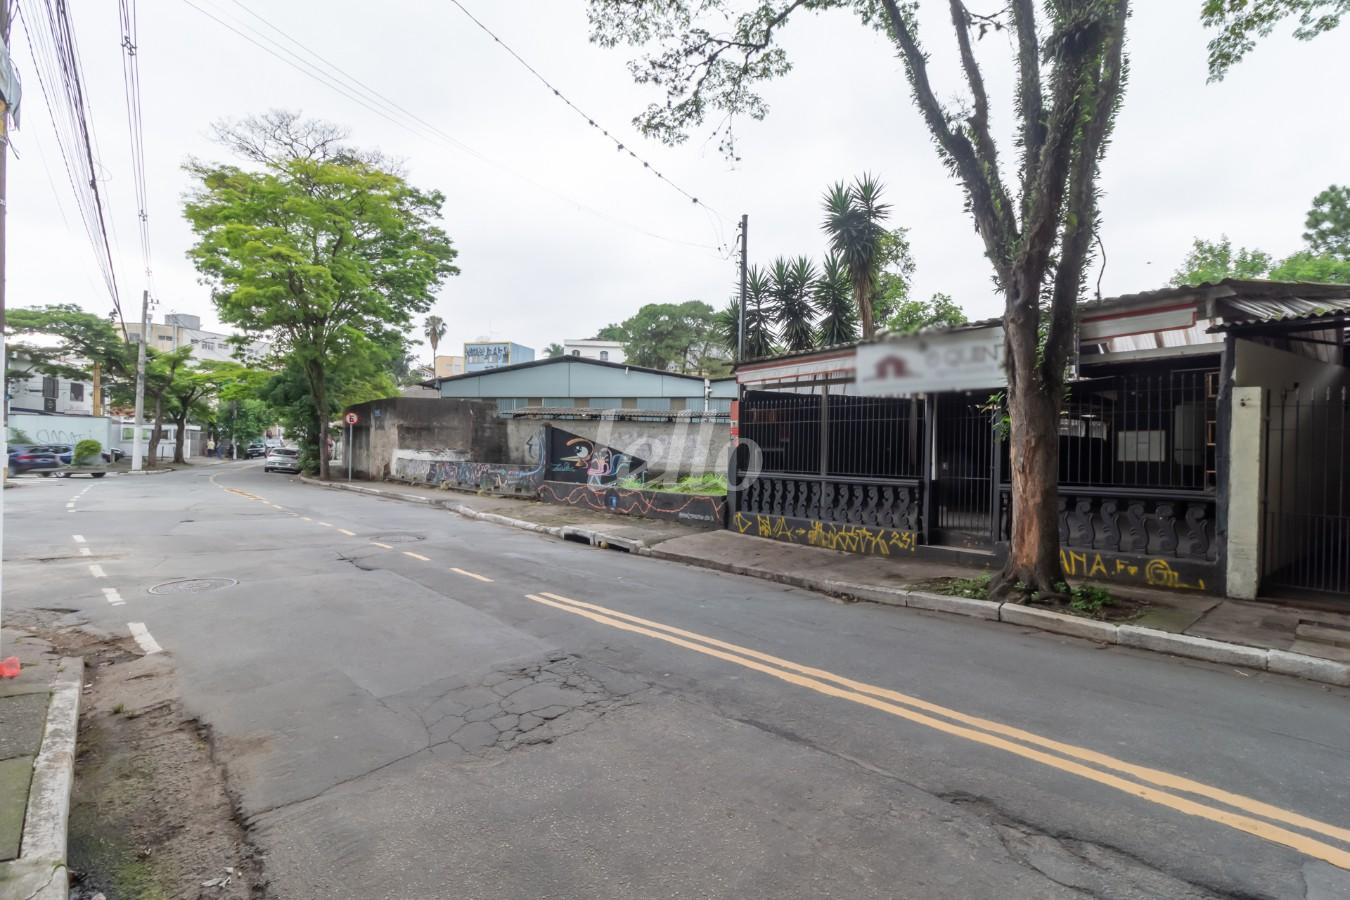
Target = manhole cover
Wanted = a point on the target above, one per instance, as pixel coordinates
(398, 537)
(193, 585)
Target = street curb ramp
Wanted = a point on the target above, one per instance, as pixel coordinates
(40, 872)
(1281, 662)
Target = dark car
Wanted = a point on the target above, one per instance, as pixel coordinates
(33, 458)
(282, 459)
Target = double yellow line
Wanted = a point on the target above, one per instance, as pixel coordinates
(1153, 785)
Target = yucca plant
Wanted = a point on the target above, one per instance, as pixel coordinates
(760, 338)
(791, 306)
(854, 215)
(832, 295)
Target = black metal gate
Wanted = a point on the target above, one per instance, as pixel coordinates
(1306, 492)
(963, 476)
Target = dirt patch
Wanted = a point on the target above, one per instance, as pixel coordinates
(1098, 603)
(150, 815)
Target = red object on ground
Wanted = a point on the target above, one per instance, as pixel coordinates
(9, 668)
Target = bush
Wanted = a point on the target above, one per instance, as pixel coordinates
(86, 452)
(1090, 599)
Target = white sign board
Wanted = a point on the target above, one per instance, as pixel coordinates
(928, 363)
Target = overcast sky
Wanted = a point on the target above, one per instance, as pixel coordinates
(558, 234)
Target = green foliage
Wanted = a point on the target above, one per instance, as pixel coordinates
(667, 336)
(434, 328)
(760, 338)
(1212, 261)
(790, 302)
(1241, 22)
(72, 340)
(1328, 223)
(19, 436)
(329, 254)
(853, 222)
(1308, 266)
(976, 588)
(1088, 598)
(833, 296)
(895, 268)
(708, 484)
(86, 451)
(553, 351)
(914, 315)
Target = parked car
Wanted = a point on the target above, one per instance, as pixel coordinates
(282, 459)
(33, 458)
(255, 450)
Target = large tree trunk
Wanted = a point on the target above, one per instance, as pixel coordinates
(179, 437)
(1033, 552)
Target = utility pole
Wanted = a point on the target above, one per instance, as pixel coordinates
(9, 668)
(136, 452)
(740, 331)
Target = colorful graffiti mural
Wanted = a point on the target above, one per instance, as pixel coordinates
(689, 509)
(580, 460)
(828, 535)
(494, 477)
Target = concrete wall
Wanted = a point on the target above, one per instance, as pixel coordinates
(423, 429)
(1257, 365)
(1245, 465)
(62, 429)
(672, 449)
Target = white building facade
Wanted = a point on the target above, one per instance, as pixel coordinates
(587, 348)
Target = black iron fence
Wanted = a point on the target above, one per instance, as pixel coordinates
(1306, 491)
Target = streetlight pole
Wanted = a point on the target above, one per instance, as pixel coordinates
(136, 453)
(740, 329)
(9, 668)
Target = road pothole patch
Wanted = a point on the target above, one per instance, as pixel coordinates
(193, 585)
(397, 537)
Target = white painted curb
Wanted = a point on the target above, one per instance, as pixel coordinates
(43, 846)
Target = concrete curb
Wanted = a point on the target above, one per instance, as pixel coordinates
(40, 871)
(1311, 668)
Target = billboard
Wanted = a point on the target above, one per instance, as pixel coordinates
(928, 363)
(486, 356)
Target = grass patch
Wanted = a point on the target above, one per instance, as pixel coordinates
(976, 588)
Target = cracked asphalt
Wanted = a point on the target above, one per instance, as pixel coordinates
(408, 704)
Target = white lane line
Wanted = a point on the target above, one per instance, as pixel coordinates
(143, 637)
(79, 538)
(70, 505)
(111, 595)
(417, 556)
(385, 546)
(85, 551)
(307, 518)
(347, 533)
(471, 574)
(97, 571)
(326, 524)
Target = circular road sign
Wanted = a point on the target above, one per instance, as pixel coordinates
(351, 418)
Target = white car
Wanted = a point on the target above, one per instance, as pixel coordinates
(282, 459)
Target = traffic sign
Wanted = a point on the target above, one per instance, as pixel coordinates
(351, 418)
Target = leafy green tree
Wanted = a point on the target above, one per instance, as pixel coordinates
(790, 302)
(832, 294)
(1036, 223)
(1308, 266)
(915, 315)
(667, 336)
(63, 340)
(1212, 261)
(895, 268)
(853, 217)
(1241, 22)
(327, 253)
(555, 350)
(192, 394)
(434, 328)
(1328, 223)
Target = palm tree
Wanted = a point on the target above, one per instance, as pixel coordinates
(434, 330)
(833, 296)
(791, 306)
(759, 331)
(728, 325)
(554, 350)
(853, 217)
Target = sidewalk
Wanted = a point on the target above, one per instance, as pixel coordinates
(39, 713)
(1281, 638)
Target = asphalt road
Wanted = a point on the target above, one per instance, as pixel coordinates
(413, 705)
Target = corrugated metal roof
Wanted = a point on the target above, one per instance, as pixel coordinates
(1283, 309)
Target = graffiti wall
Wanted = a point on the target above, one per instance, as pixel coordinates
(1174, 574)
(868, 540)
(579, 460)
(687, 509)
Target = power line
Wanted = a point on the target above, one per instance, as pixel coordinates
(56, 62)
(131, 85)
(339, 80)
